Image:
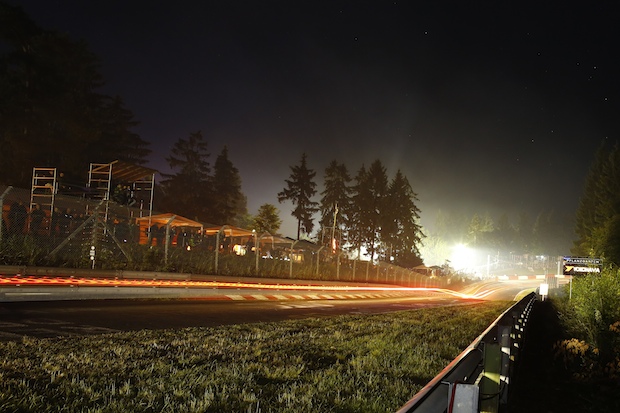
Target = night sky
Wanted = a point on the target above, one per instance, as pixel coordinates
(496, 108)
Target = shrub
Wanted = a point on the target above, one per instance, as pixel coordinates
(592, 318)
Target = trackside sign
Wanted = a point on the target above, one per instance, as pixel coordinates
(581, 265)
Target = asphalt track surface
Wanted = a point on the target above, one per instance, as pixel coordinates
(45, 319)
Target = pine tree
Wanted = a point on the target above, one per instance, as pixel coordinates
(335, 200)
(504, 234)
(267, 219)
(401, 232)
(358, 216)
(525, 234)
(479, 230)
(300, 188)
(377, 182)
(117, 141)
(229, 203)
(598, 213)
(369, 197)
(589, 216)
(189, 191)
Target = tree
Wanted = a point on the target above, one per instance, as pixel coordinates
(504, 234)
(335, 200)
(598, 213)
(267, 219)
(229, 203)
(479, 230)
(551, 233)
(117, 141)
(377, 182)
(300, 188)
(401, 232)
(50, 111)
(189, 190)
(525, 234)
(358, 216)
(369, 198)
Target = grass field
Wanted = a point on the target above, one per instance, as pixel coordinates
(366, 363)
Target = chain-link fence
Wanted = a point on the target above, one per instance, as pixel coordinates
(84, 233)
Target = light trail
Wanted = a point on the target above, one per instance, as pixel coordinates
(32, 281)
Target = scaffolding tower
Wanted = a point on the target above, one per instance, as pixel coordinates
(99, 182)
(141, 179)
(43, 190)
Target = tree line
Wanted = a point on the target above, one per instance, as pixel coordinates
(547, 233)
(369, 212)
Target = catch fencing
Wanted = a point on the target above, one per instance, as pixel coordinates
(101, 234)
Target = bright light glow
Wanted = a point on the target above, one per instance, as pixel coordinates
(462, 258)
(239, 249)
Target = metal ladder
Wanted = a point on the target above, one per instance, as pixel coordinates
(43, 191)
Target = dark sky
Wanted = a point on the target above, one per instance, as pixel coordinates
(496, 107)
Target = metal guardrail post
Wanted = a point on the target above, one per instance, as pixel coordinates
(490, 380)
(503, 335)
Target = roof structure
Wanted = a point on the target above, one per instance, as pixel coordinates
(283, 242)
(126, 171)
(228, 231)
(177, 220)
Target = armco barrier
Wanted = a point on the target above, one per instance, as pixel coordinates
(479, 378)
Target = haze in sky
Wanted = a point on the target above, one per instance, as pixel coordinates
(497, 107)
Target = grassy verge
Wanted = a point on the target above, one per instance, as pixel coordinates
(371, 363)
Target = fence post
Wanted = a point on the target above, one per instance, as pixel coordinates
(256, 248)
(291, 258)
(6, 191)
(338, 267)
(217, 248)
(318, 259)
(167, 244)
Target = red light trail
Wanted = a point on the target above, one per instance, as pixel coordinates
(44, 281)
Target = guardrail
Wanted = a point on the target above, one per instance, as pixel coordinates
(478, 379)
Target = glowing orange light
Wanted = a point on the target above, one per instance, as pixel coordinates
(18, 280)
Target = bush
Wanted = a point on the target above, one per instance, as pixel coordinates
(592, 318)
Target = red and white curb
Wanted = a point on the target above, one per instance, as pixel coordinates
(531, 277)
(288, 297)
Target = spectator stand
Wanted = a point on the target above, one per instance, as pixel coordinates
(123, 182)
(97, 226)
(167, 230)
